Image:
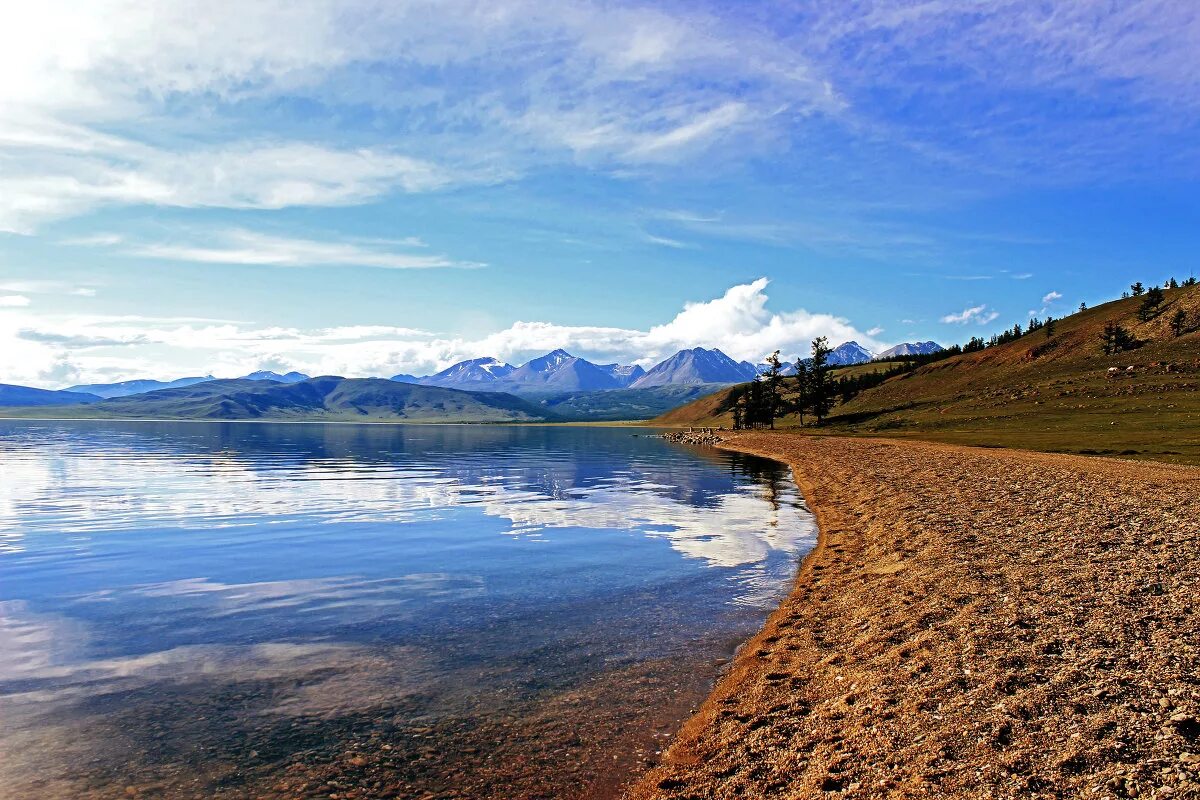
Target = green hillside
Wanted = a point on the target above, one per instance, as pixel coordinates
(317, 399)
(619, 404)
(1059, 392)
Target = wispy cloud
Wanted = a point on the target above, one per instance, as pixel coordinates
(979, 314)
(13, 301)
(47, 287)
(240, 246)
(666, 241)
(246, 176)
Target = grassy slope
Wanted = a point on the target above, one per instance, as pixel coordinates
(325, 399)
(618, 404)
(1041, 394)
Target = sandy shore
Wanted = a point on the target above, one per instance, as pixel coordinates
(973, 623)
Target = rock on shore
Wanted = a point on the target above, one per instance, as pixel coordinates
(974, 624)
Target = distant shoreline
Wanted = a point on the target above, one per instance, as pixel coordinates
(573, 424)
(972, 622)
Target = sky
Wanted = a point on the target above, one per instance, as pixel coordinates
(372, 188)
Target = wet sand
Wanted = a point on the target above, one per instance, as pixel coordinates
(972, 624)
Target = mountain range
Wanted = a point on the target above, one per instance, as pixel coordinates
(126, 388)
(326, 398)
(556, 385)
(11, 395)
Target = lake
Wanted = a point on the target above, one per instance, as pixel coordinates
(196, 610)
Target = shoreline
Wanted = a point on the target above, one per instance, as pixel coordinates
(937, 644)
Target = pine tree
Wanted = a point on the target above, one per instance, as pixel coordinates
(1137, 289)
(1115, 339)
(1049, 326)
(1150, 303)
(802, 389)
(1178, 322)
(772, 400)
(820, 389)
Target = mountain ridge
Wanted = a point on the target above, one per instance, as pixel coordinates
(330, 398)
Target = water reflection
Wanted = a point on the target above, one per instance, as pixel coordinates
(365, 581)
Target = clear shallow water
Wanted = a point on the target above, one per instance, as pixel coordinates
(302, 610)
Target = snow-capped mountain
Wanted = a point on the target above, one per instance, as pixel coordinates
(127, 388)
(268, 375)
(558, 370)
(849, 353)
(696, 366)
(623, 374)
(911, 349)
(476, 373)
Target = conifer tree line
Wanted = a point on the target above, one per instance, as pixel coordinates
(812, 390)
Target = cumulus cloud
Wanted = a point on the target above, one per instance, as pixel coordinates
(979, 314)
(92, 349)
(1047, 300)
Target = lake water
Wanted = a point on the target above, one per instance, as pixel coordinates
(195, 610)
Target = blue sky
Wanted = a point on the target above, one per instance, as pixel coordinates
(369, 188)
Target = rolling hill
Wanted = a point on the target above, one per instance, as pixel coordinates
(125, 388)
(620, 404)
(315, 399)
(12, 395)
(1057, 392)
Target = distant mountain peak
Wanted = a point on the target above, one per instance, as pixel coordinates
(911, 349)
(694, 366)
(268, 375)
(850, 353)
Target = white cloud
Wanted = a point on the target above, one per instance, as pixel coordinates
(666, 241)
(1047, 299)
(62, 349)
(978, 314)
(47, 287)
(240, 246)
(875, 331)
(247, 176)
(114, 102)
(13, 301)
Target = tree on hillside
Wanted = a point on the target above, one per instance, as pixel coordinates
(800, 403)
(1150, 303)
(773, 396)
(819, 386)
(974, 345)
(1178, 322)
(1137, 289)
(1083, 307)
(1172, 284)
(1049, 326)
(1115, 338)
(1191, 281)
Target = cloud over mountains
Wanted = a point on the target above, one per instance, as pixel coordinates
(94, 349)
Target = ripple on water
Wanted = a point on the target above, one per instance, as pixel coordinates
(202, 610)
